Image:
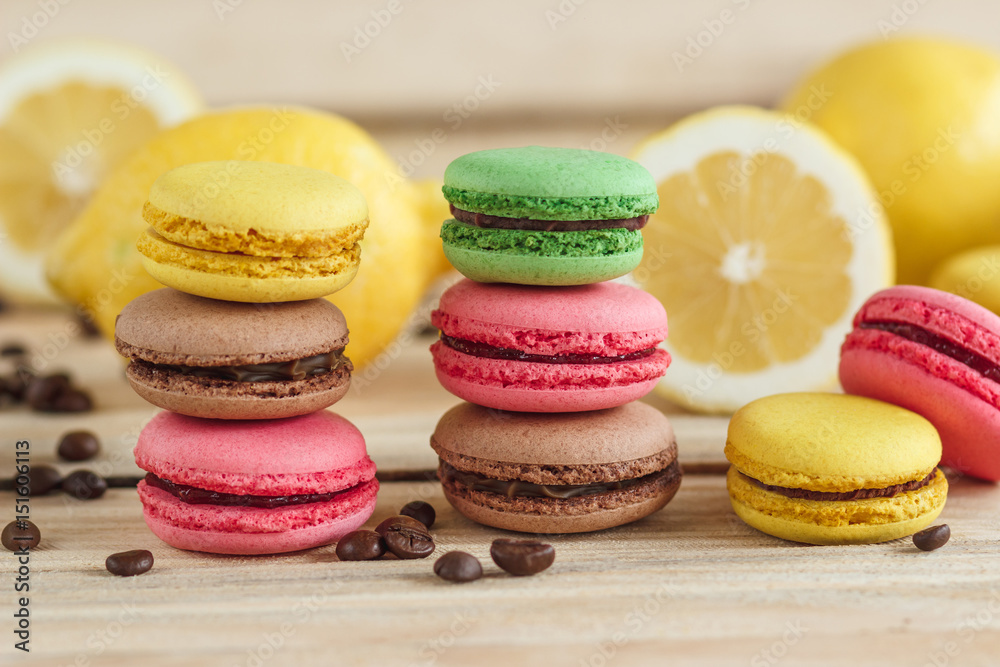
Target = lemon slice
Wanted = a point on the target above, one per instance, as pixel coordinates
(767, 240)
(69, 113)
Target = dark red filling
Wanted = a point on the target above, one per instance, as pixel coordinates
(499, 222)
(491, 352)
(857, 494)
(192, 495)
(973, 360)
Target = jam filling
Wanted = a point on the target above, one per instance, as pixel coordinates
(498, 222)
(192, 495)
(911, 332)
(297, 369)
(858, 494)
(475, 349)
(520, 489)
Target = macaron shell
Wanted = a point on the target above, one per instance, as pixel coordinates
(172, 327)
(556, 523)
(231, 530)
(229, 279)
(266, 197)
(266, 457)
(231, 401)
(526, 317)
(830, 442)
(969, 426)
(528, 399)
(632, 431)
(840, 522)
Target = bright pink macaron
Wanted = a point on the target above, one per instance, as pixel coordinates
(936, 354)
(254, 487)
(549, 349)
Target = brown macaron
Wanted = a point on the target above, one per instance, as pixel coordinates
(226, 360)
(557, 472)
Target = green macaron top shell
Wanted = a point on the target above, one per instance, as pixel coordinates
(543, 183)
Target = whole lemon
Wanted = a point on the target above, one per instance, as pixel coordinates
(923, 118)
(95, 264)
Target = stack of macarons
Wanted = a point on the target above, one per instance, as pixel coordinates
(244, 355)
(550, 355)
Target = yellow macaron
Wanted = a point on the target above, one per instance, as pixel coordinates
(834, 469)
(257, 232)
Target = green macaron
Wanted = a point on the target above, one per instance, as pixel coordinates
(546, 216)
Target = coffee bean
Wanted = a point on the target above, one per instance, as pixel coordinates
(13, 350)
(400, 520)
(932, 538)
(18, 383)
(361, 545)
(40, 392)
(85, 485)
(458, 566)
(88, 327)
(78, 446)
(129, 563)
(407, 543)
(421, 511)
(19, 534)
(42, 479)
(72, 400)
(522, 557)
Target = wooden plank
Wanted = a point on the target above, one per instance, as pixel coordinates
(691, 584)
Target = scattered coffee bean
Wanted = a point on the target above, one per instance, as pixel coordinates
(78, 446)
(361, 545)
(522, 557)
(73, 400)
(407, 543)
(13, 350)
(42, 391)
(17, 383)
(85, 485)
(421, 511)
(932, 538)
(458, 566)
(42, 479)
(88, 327)
(19, 534)
(129, 563)
(400, 520)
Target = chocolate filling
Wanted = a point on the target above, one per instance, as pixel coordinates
(519, 489)
(911, 332)
(497, 222)
(297, 369)
(491, 352)
(192, 495)
(858, 494)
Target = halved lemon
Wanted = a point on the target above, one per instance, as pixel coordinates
(768, 239)
(69, 113)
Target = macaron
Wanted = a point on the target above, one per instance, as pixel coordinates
(557, 473)
(546, 216)
(936, 354)
(253, 231)
(833, 469)
(549, 349)
(254, 487)
(227, 360)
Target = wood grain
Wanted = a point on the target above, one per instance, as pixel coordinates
(691, 585)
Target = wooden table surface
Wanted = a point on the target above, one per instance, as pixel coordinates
(690, 585)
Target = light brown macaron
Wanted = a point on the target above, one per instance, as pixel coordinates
(557, 472)
(227, 360)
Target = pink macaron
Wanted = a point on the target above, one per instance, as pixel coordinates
(254, 487)
(936, 354)
(549, 349)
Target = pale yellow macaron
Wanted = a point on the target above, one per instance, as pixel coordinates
(834, 469)
(256, 232)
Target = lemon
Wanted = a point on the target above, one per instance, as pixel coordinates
(973, 274)
(70, 112)
(923, 118)
(767, 240)
(95, 263)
